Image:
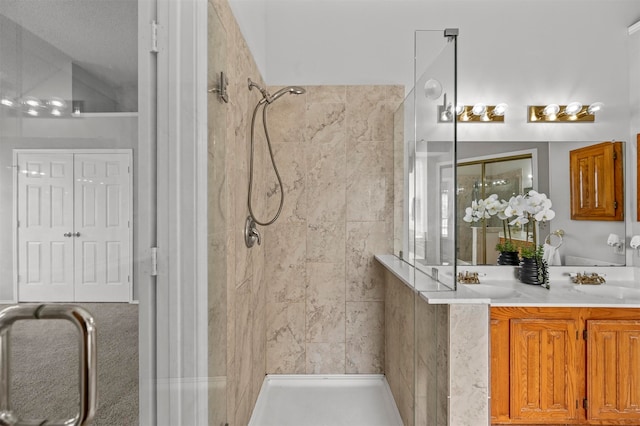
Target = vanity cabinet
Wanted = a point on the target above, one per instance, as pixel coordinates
(596, 175)
(565, 366)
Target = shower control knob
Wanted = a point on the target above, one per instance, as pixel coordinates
(251, 234)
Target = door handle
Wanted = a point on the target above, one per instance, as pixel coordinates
(77, 234)
(88, 374)
(71, 234)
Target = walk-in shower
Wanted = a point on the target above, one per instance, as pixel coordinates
(251, 234)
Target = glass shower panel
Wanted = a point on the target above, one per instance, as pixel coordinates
(71, 169)
(432, 222)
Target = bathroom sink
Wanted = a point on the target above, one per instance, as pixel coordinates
(611, 291)
(492, 291)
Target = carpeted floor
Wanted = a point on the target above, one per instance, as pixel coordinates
(44, 366)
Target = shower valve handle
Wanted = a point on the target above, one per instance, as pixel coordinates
(251, 234)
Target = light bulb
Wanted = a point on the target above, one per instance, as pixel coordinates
(551, 110)
(7, 102)
(595, 107)
(573, 108)
(33, 112)
(500, 109)
(56, 112)
(479, 109)
(57, 103)
(32, 102)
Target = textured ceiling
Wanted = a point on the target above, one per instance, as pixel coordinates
(100, 35)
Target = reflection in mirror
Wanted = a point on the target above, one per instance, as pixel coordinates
(509, 169)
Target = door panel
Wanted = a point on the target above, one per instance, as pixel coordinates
(102, 227)
(45, 215)
(613, 369)
(74, 236)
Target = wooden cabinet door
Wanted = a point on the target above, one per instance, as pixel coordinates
(613, 370)
(543, 369)
(597, 182)
(499, 369)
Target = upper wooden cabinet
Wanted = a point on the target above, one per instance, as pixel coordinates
(597, 184)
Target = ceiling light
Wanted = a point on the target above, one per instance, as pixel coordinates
(56, 112)
(7, 102)
(33, 112)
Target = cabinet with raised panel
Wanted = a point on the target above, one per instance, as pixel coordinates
(565, 366)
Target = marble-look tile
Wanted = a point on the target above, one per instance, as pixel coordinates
(285, 282)
(325, 282)
(244, 338)
(290, 159)
(325, 183)
(259, 333)
(325, 123)
(325, 322)
(326, 242)
(243, 409)
(365, 277)
(365, 338)
(325, 358)
(370, 198)
(326, 94)
(285, 116)
(367, 158)
(469, 358)
(369, 113)
(286, 242)
(285, 338)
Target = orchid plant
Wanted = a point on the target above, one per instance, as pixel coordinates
(522, 210)
(529, 209)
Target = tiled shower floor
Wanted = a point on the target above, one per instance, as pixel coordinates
(325, 400)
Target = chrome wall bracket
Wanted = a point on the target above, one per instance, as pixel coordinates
(221, 88)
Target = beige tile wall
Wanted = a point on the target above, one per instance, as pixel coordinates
(310, 298)
(237, 291)
(325, 294)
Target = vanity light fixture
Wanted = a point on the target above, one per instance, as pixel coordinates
(477, 113)
(572, 112)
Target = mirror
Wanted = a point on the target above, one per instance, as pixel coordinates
(513, 168)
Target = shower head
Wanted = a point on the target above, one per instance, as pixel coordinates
(295, 90)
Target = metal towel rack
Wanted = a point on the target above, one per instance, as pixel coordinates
(88, 360)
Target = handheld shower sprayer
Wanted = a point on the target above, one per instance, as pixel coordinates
(269, 98)
(251, 234)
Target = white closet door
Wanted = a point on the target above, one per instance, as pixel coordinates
(102, 221)
(45, 216)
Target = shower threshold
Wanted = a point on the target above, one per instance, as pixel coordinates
(322, 400)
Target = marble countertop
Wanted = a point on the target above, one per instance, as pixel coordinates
(499, 287)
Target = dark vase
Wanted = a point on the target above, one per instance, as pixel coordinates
(533, 271)
(508, 258)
